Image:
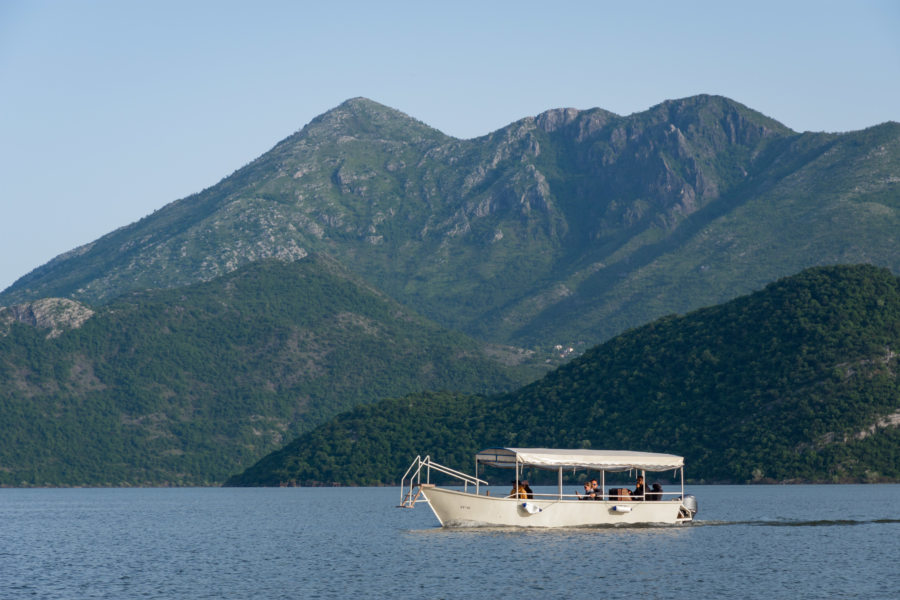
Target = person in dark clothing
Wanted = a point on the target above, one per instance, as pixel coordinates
(655, 492)
(638, 493)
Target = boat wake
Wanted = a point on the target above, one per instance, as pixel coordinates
(814, 523)
(488, 528)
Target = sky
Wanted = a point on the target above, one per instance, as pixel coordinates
(110, 110)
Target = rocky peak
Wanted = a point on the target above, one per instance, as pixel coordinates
(551, 120)
(582, 123)
(715, 116)
(361, 118)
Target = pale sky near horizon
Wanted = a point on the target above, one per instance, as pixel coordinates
(110, 110)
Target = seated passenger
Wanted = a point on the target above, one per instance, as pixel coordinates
(518, 490)
(638, 493)
(528, 491)
(598, 491)
(655, 492)
(588, 492)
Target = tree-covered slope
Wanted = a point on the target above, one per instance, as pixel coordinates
(185, 386)
(795, 382)
(570, 226)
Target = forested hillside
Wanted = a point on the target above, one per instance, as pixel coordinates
(795, 382)
(186, 386)
(183, 347)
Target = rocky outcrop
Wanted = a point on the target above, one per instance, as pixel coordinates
(53, 314)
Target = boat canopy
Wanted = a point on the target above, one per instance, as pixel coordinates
(601, 460)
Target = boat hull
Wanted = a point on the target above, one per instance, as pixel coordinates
(454, 508)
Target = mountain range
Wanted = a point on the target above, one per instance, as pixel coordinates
(564, 228)
(369, 256)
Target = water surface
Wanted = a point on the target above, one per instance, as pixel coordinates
(748, 542)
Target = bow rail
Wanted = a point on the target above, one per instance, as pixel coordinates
(411, 484)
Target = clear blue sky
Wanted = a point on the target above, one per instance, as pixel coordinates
(110, 109)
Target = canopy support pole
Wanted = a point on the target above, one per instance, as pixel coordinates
(560, 483)
(476, 475)
(516, 489)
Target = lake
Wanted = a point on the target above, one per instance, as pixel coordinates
(748, 542)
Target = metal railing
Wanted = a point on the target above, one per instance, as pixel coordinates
(607, 497)
(412, 479)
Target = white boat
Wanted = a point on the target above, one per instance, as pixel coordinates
(468, 506)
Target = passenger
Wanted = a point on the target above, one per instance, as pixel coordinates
(598, 491)
(518, 490)
(528, 490)
(638, 493)
(588, 492)
(655, 492)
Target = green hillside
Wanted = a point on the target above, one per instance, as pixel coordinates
(563, 228)
(188, 385)
(540, 240)
(795, 382)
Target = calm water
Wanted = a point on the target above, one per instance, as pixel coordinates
(749, 542)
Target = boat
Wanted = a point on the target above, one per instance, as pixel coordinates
(467, 503)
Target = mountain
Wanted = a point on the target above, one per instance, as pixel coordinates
(565, 228)
(795, 382)
(185, 386)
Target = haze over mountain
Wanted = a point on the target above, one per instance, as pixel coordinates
(566, 227)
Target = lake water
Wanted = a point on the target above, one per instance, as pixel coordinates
(748, 542)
